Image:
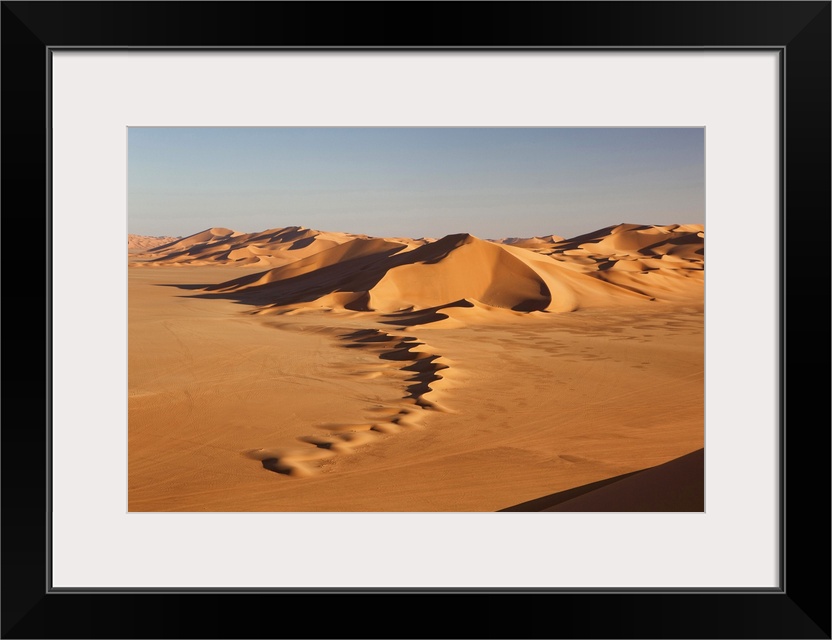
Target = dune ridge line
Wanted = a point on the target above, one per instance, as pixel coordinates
(398, 352)
(620, 265)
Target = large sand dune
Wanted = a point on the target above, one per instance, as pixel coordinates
(678, 485)
(266, 248)
(351, 373)
(627, 265)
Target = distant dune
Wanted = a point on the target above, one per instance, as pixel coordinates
(272, 247)
(145, 243)
(459, 276)
(537, 243)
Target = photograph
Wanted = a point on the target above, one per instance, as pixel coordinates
(416, 319)
(414, 311)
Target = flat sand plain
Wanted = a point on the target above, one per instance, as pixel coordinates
(362, 374)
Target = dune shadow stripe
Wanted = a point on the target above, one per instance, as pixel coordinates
(404, 350)
(545, 502)
(674, 486)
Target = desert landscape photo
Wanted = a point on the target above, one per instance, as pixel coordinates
(416, 319)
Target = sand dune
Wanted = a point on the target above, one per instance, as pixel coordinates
(663, 262)
(263, 249)
(352, 373)
(539, 243)
(140, 244)
(624, 265)
(331, 266)
(678, 485)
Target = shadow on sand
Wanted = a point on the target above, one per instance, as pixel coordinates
(675, 486)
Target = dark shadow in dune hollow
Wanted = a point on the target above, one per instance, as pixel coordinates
(187, 287)
(273, 464)
(355, 276)
(402, 349)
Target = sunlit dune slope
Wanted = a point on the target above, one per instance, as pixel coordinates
(614, 266)
(273, 247)
(138, 243)
(664, 262)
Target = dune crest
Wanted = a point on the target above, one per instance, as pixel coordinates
(536, 243)
(220, 246)
(139, 244)
(612, 267)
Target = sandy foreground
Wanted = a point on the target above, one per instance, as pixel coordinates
(361, 374)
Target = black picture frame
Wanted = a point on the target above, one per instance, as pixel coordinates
(799, 608)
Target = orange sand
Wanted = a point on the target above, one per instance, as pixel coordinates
(296, 370)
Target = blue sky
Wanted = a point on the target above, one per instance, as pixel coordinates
(415, 182)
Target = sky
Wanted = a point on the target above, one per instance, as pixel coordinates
(413, 182)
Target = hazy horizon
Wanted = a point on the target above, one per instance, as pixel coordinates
(413, 182)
